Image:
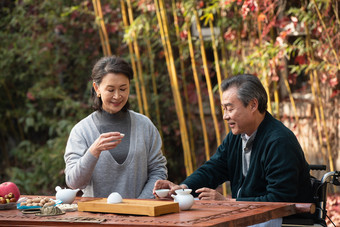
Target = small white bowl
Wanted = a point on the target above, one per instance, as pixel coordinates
(162, 192)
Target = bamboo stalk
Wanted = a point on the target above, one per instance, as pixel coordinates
(139, 63)
(94, 2)
(291, 98)
(275, 83)
(276, 96)
(207, 77)
(217, 67)
(264, 74)
(292, 102)
(174, 75)
(223, 55)
(312, 85)
(266, 84)
(102, 29)
(161, 17)
(133, 63)
(186, 99)
(276, 100)
(219, 80)
(319, 127)
(336, 10)
(330, 158)
(327, 35)
(199, 96)
(224, 66)
(169, 69)
(154, 88)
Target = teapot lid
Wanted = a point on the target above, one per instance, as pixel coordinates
(183, 191)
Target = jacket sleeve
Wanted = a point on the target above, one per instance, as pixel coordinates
(212, 173)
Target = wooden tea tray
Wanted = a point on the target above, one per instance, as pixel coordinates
(130, 206)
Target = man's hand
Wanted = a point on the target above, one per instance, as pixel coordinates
(209, 194)
(165, 184)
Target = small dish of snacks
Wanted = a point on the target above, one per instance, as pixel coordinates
(67, 207)
(37, 202)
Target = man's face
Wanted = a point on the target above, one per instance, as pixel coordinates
(240, 119)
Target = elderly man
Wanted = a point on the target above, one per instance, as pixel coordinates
(260, 157)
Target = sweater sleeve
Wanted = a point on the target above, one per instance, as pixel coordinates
(156, 164)
(80, 163)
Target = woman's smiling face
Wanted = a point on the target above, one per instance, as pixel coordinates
(114, 91)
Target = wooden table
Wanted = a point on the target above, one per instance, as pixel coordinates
(203, 213)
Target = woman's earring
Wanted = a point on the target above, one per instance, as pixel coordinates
(98, 95)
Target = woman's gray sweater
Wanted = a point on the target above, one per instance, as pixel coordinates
(134, 178)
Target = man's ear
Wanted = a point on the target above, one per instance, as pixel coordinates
(254, 104)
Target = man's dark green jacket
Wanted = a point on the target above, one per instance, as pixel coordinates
(278, 171)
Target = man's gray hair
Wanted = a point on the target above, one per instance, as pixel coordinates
(249, 87)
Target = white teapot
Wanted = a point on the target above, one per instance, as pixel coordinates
(66, 195)
(184, 198)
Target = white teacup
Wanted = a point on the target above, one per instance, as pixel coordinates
(162, 192)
